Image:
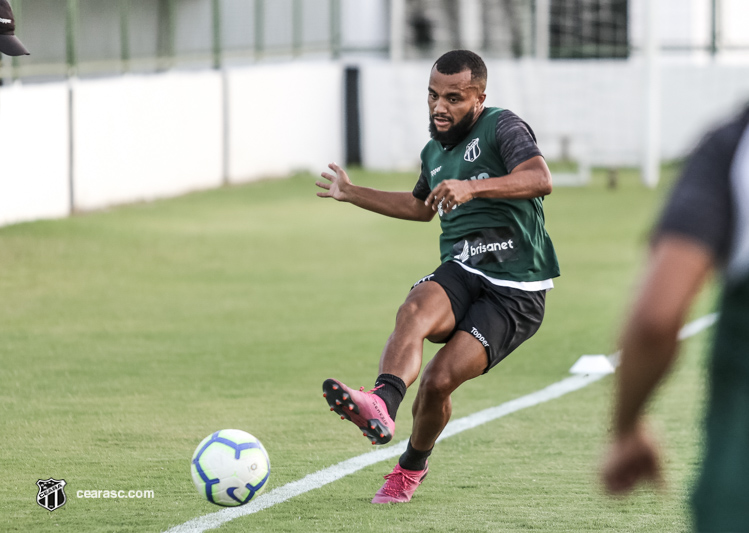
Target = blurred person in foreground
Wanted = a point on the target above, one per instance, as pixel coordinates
(483, 174)
(10, 45)
(705, 226)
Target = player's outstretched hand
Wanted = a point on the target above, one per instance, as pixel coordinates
(338, 182)
(630, 459)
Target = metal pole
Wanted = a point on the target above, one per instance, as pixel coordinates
(218, 64)
(469, 22)
(71, 23)
(71, 20)
(335, 28)
(714, 28)
(125, 35)
(71, 27)
(542, 28)
(172, 24)
(652, 93)
(297, 31)
(71, 144)
(397, 29)
(226, 127)
(166, 47)
(216, 16)
(259, 28)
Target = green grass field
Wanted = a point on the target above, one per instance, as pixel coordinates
(128, 336)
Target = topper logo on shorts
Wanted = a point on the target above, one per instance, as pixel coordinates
(5, 21)
(422, 280)
(479, 337)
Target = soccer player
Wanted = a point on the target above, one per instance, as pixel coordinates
(705, 225)
(9, 43)
(483, 174)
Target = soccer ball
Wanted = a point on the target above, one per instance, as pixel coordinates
(230, 467)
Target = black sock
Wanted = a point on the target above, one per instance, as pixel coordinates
(413, 459)
(392, 391)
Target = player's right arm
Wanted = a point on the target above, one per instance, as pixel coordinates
(692, 238)
(401, 205)
(677, 269)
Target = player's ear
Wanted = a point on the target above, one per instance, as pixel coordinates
(482, 97)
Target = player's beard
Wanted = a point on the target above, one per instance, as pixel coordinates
(456, 132)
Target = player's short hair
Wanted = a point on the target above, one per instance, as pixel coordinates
(457, 61)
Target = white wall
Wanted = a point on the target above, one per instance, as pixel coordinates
(680, 23)
(284, 118)
(734, 15)
(696, 99)
(394, 116)
(141, 137)
(365, 23)
(33, 152)
(145, 137)
(596, 105)
(589, 103)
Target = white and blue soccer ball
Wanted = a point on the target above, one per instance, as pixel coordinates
(230, 467)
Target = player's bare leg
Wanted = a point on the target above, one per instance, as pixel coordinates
(461, 359)
(426, 313)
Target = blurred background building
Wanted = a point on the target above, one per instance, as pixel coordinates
(107, 37)
(116, 93)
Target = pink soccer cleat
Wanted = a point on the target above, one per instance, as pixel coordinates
(400, 485)
(364, 409)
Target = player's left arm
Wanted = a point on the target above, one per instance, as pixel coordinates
(530, 179)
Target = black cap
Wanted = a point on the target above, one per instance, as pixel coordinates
(9, 43)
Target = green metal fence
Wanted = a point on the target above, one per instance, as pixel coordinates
(104, 37)
(109, 37)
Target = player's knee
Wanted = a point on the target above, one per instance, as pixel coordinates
(436, 384)
(419, 317)
(437, 337)
(408, 309)
(411, 313)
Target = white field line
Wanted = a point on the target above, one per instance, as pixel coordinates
(694, 327)
(342, 469)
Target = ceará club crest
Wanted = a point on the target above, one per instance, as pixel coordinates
(51, 494)
(472, 151)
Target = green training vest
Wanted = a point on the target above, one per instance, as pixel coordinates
(504, 239)
(731, 342)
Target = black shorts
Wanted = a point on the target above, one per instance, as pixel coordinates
(501, 318)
